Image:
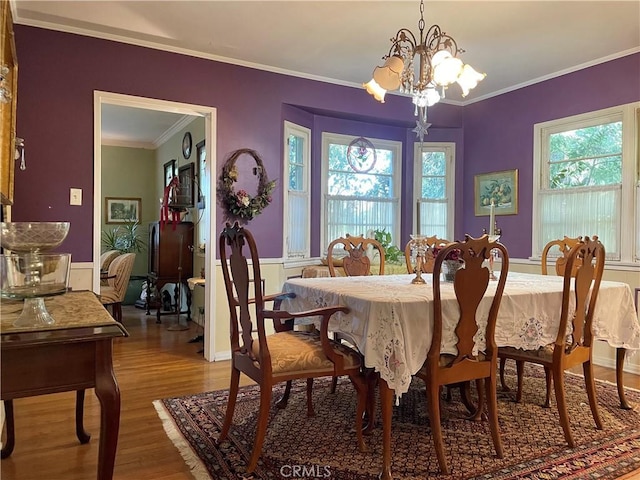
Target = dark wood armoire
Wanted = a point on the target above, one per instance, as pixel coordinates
(170, 261)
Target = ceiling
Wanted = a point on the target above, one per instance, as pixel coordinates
(516, 43)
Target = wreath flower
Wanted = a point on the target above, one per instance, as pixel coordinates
(240, 205)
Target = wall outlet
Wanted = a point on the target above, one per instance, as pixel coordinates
(75, 196)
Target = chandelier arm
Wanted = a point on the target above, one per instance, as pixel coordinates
(436, 40)
(403, 44)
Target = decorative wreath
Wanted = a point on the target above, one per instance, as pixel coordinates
(240, 205)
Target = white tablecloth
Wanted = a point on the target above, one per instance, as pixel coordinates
(391, 320)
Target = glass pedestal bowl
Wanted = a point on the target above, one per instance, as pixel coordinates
(29, 273)
(32, 277)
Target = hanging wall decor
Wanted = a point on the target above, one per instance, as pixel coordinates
(239, 204)
(361, 155)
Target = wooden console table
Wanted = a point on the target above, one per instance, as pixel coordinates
(73, 354)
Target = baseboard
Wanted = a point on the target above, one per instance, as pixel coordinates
(611, 363)
(220, 356)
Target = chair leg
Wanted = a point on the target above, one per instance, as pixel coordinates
(587, 368)
(231, 403)
(282, 403)
(334, 384)
(558, 384)
(360, 385)
(503, 383)
(547, 379)
(492, 407)
(263, 420)
(82, 435)
(433, 401)
(8, 446)
(520, 373)
(475, 413)
(371, 377)
(310, 412)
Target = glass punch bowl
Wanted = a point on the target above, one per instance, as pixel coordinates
(29, 273)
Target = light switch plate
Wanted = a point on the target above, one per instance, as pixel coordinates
(75, 196)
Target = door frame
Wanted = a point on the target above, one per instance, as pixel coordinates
(209, 113)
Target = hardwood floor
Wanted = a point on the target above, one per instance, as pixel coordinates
(151, 364)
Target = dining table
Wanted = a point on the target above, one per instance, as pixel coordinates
(390, 321)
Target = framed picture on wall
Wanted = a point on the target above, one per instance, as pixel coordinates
(499, 188)
(184, 196)
(201, 156)
(122, 210)
(169, 171)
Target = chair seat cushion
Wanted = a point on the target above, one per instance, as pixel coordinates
(108, 295)
(297, 352)
(446, 359)
(544, 353)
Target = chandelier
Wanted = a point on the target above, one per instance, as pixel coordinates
(438, 66)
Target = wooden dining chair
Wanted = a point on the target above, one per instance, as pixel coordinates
(564, 246)
(429, 257)
(357, 261)
(284, 355)
(355, 264)
(440, 368)
(581, 290)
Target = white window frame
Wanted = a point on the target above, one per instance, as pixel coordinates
(630, 167)
(336, 138)
(304, 133)
(449, 149)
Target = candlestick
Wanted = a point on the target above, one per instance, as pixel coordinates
(492, 215)
(418, 216)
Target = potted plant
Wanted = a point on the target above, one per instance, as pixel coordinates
(124, 238)
(392, 253)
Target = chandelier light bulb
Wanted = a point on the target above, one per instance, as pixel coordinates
(376, 90)
(447, 71)
(469, 79)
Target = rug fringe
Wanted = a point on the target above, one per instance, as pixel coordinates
(196, 466)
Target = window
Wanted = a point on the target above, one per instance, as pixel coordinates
(359, 202)
(297, 206)
(585, 171)
(434, 191)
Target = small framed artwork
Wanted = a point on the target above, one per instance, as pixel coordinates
(201, 156)
(169, 171)
(122, 210)
(184, 196)
(499, 188)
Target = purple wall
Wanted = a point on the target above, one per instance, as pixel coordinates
(498, 133)
(59, 72)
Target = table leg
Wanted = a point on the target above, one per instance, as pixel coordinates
(7, 448)
(620, 353)
(108, 394)
(82, 435)
(386, 401)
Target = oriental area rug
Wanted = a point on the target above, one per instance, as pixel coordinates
(324, 446)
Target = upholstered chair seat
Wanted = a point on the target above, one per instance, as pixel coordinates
(301, 352)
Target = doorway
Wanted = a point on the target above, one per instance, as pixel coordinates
(114, 103)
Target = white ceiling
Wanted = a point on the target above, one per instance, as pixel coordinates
(515, 42)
